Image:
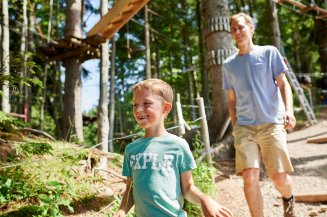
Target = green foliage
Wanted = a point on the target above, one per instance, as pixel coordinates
(203, 179)
(53, 199)
(34, 148)
(16, 76)
(14, 187)
(9, 123)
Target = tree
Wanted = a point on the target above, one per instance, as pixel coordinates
(103, 122)
(219, 46)
(274, 25)
(5, 56)
(320, 39)
(112, 101)
(72, 114)
(147, 43)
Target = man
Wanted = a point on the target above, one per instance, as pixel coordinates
(261, 108)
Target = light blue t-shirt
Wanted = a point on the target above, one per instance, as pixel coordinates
(155, 165)
(252, 77)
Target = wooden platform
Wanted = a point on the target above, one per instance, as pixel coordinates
(122, 11)
(84, 49)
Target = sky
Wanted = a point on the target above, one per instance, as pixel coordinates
(90, 85)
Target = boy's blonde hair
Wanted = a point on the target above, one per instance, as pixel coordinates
(247, 18)
(157, 87)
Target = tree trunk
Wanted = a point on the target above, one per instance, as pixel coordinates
(23, 52)
(45, 76)
(103, 122)
(72, 114)
(274, 25)
(5, 56)
(112, 101)
(321, 42)
(219, 46)
(147, 43)
(203, 65)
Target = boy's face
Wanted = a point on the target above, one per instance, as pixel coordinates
(149, 110)
(241, 31)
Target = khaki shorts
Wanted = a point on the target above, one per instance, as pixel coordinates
(267, 141)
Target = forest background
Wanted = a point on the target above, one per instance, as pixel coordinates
(171, 40)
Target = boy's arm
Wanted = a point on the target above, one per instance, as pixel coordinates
(209, 206)
(127, 201)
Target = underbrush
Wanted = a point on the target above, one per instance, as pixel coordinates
(38, 179)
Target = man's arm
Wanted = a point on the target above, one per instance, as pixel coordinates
(209, 206)
(231, 96)
(286, 92)
(127, 201)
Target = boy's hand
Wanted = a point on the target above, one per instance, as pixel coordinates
(120, 213)
(211, 208)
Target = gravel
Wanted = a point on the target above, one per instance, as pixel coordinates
(310, 177)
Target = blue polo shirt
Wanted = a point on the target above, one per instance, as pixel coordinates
(252, 77)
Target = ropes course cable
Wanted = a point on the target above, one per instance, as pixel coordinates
(87, 149)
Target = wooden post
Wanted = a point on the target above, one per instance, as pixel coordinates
(180, 116)
(204, 128)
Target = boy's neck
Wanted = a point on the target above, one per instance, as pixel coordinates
(150, 133)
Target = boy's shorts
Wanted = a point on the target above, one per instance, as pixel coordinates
(267, 140)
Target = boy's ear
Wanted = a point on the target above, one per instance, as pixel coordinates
(167, 107)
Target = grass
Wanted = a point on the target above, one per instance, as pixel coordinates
(45, 180)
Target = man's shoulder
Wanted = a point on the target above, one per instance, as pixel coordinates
(230, 59)
(264, 48)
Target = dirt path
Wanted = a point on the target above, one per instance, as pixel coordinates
(309, 177)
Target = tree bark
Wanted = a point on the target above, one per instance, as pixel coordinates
(147, 43)
(103, 122)
(72, 114)
(5, 105)
(274, 25)
(219, 46)
(112, 101)
(45, 76)
(320, 40)
(202, 57)
(23, 52)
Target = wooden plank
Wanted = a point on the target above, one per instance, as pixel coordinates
(121, 12)
(318, 140)
(294, 3)
(107, 18)
(311, 198)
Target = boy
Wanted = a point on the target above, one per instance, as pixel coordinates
(158, 166)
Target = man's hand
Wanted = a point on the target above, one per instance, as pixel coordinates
(211, 208)
(289, 120)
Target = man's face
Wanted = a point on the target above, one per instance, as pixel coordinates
(241, 31)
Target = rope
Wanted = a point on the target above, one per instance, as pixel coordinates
(92, 147)
(71, 154)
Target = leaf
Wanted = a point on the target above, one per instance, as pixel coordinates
(44, 198)
(54, 183)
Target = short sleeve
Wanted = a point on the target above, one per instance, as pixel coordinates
(126, 166)
(278, 63)
(186, 159)
(226, 82)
